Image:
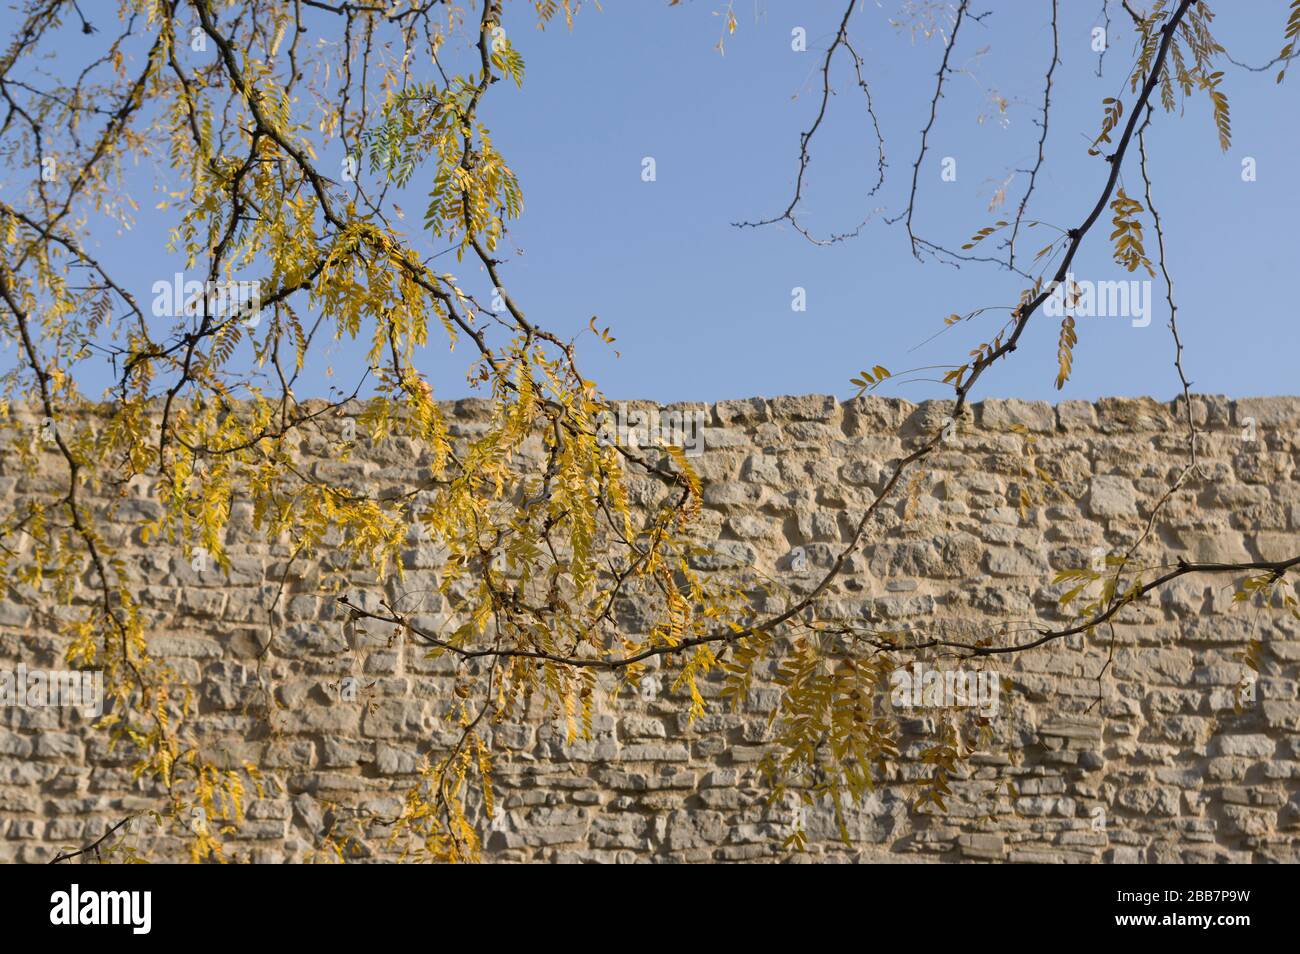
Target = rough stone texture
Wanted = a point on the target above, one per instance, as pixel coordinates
(1148, 764)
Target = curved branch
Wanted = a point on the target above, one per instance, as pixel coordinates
(805, 139)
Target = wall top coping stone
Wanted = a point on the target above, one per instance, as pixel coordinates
(1107, 413)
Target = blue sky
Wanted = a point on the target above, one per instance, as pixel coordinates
(702, 310)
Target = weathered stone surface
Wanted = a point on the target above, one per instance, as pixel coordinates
(1158, 760)
(1112, 496)
(1031, 415)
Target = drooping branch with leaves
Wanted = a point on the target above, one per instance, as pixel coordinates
(232, 104)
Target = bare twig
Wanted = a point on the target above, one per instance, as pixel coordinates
(805, 140)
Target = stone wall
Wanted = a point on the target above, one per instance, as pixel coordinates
(1146, 762)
